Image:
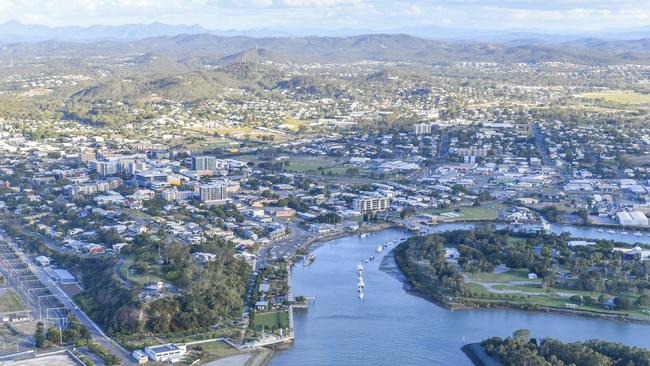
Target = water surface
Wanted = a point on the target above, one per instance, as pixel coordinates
(391, 327)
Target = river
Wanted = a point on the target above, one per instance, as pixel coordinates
(392, 327)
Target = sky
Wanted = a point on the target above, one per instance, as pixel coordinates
(540, 15)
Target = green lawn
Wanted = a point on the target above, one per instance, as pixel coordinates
(293, 124)
(214, 350)
(468, 213)
(302, 165)
(520, 274)
(621, 97)
(153, 275)
(272, 320)
(9, 302)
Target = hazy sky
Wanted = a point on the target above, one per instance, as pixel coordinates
(331, 14)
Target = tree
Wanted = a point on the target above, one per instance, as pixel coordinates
(54, 335)
(39, 335)
(622, 303)
(407, 212)
(643, 300)
(521, 334)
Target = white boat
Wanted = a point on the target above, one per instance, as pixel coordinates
(600, 230)
(363, 235)
(610, 231)
(361, 295)
(638, 233)
(361, 285)
(309, 260)
(624, 233)
(380, 249)
(360, 268)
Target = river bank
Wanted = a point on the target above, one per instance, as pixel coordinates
(477, 355)
(311, 244)
(392, 327)
(390, 266)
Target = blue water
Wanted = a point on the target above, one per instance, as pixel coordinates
(391, 327)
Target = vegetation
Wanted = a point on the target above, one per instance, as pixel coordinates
(520, 349)
(592, 274)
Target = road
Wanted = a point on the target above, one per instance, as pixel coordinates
(444, 146)
(97, 333)
(543, 152)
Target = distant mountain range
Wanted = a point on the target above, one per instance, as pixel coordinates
(200, 50)
(15, 31)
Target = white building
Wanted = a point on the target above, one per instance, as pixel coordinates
(166, 352)
(422, 128)
(212, 193)
(632, 218)
(371, 203)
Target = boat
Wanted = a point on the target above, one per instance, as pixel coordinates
(309, 260)
(360, 268)
(638, 233)
(366, 261)
(372, 257)
(611, 231)
(624, 233)
(380, 249)
(363, 235)
(361, 295)
(361, 284)
(600, 230)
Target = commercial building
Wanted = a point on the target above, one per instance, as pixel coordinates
(371, 204)
(632, 218)
(140, 357)
(170, 195)
(212, 193)
(422, 128)
(60, 275)
(204, 163)
(166, 352)
(104, 167)
(146, 179)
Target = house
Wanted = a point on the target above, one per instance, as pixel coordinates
(264, 288)
(452, 253)
(166, 353)
(43, 261)
(262, 305)
(532, 276)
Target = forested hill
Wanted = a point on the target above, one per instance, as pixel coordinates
(207, 49)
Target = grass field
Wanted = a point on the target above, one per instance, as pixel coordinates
(468, 213)
(550, 299)
(272, 320)
(621, 97)
(141, 279)
(293, 124)
(307, 164)
(505, 277)
(215, 350)
(10, 302)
